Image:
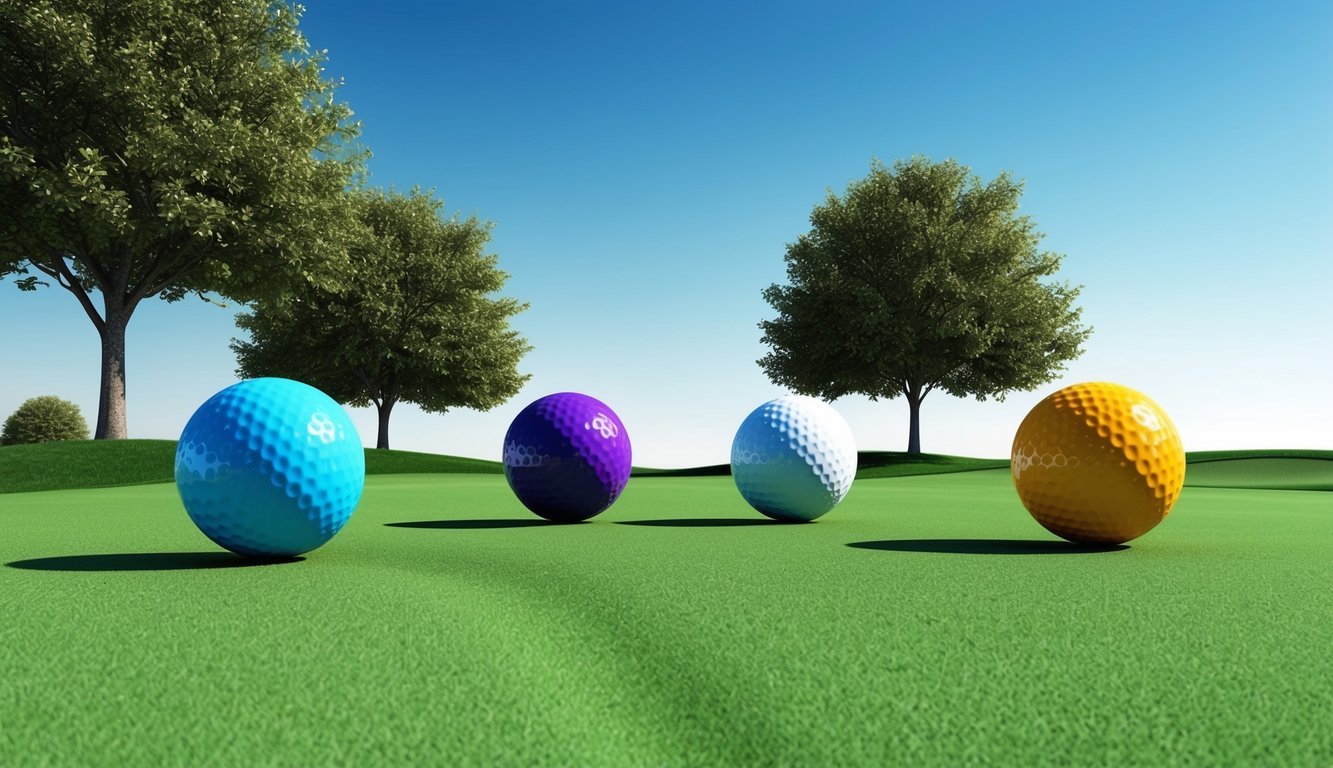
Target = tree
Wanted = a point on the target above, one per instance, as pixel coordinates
(162, 148)
(44, 419)
(920, 278)
(418, 324)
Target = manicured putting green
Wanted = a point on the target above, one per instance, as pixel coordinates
(928, 620)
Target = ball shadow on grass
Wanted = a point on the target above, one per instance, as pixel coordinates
(472, 525)
(704, 522)
(147, 561)
(987, 546)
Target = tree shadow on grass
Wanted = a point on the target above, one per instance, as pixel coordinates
(987, 546)
(147, 561)
(703, 522)
(472, 525)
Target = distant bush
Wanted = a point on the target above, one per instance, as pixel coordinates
(42, 420)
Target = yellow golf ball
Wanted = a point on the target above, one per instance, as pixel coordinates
(1098, 463)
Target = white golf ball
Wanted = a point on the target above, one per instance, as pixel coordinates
(794, 458)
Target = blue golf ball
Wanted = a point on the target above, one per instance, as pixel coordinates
(270, 468)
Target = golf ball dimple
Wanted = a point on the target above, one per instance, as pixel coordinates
(567, 457)
(1098, 463)
(270, 468)
(794, 458)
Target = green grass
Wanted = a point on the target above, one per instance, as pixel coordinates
(1273, 469)
(111, 463)
(85, 464)
(1260, 453)
(711, 470)
(928, 620)
(410, 463)
(870, 464)
(99, 464)
(102, 464)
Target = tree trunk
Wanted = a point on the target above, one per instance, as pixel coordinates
(385, 407)
(111, 399)
(914, 422)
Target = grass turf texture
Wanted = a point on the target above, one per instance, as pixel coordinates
(100, 464)
(111, 463)
(927, 620)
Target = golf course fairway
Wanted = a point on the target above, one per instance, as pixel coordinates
(927, 620)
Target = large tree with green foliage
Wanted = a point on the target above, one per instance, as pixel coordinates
(418, 323)
(162, 148)
(920, 278)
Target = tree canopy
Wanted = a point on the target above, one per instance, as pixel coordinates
(159, 148)
(920, 277)
(418, 321)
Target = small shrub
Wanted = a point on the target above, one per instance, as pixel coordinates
(42, 420)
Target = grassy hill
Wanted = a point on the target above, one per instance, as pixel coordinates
(85, 464)
(100, 464)
(104, 463)
(870, 464)
(1279, 470)
(873, 464)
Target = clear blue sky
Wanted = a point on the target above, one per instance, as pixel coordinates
(645, 165)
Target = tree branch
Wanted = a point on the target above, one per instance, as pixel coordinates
(151, 288)
(100, 275)
(371, 389)
(70, 282)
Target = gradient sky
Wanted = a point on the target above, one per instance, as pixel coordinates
(645, 165)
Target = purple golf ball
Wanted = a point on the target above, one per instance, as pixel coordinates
(567, 457)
